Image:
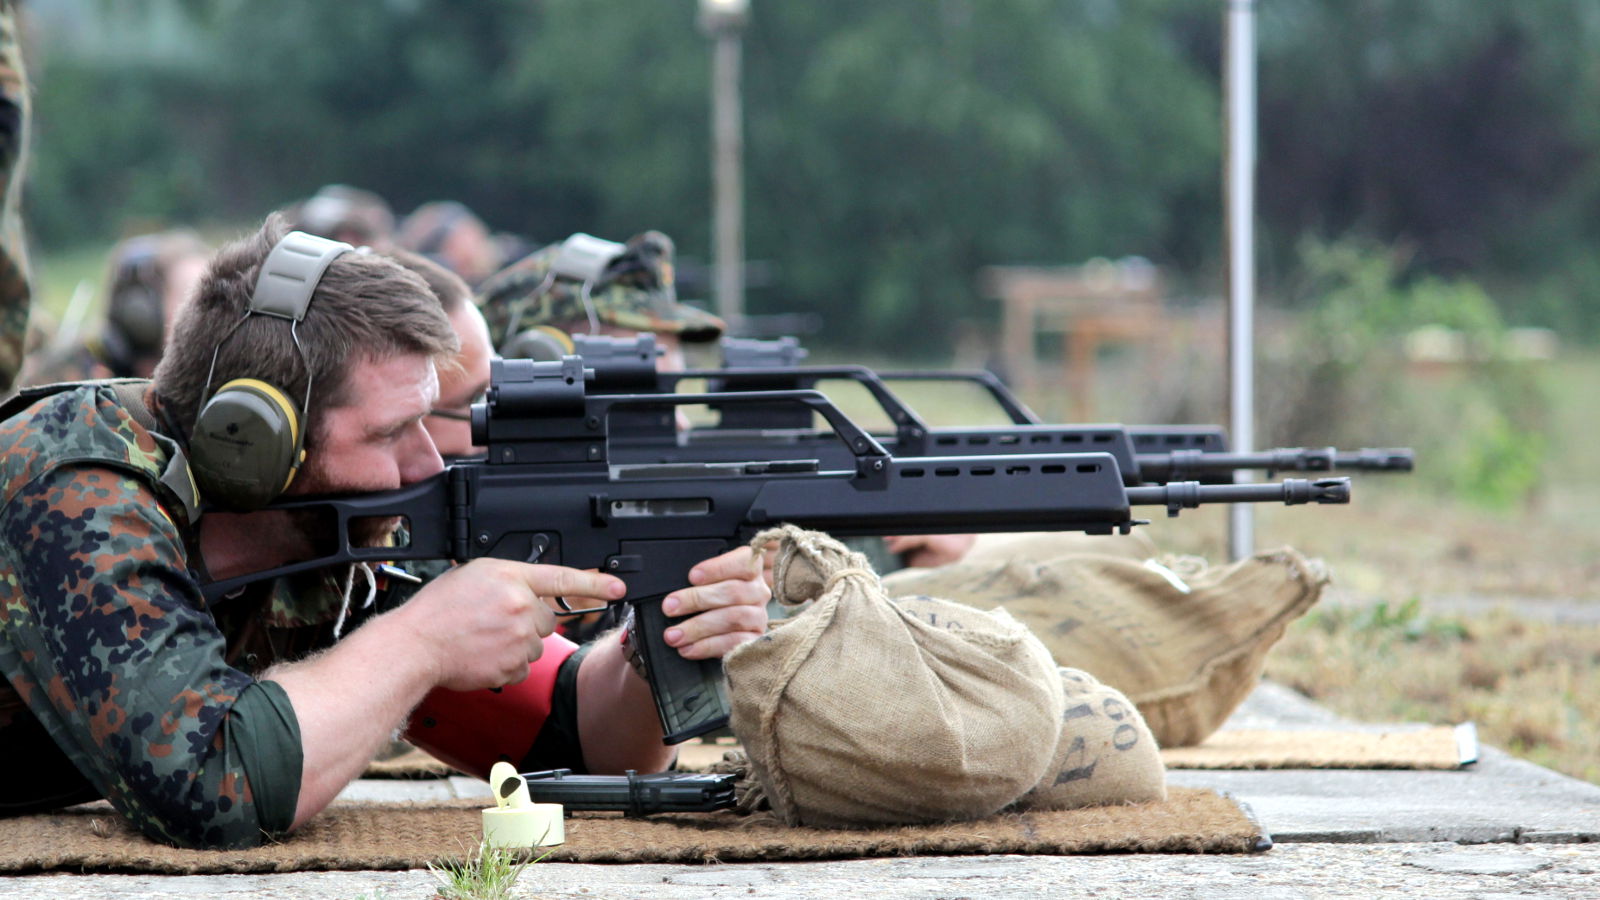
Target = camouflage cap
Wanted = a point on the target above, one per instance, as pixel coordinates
(635, 290)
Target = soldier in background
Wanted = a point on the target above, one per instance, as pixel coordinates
(148, 280)
(453, 236)
(340, 212)
(449, 423)
(635, 293)
(14, 290)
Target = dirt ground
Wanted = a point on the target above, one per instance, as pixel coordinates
(1391, 543)
(1441, 612)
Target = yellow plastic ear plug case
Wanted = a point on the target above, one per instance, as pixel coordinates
(515, 820)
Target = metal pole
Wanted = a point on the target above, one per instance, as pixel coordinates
(1239, 169)
(728, 176)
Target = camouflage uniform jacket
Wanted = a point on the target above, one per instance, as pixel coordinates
(119, 682)
(14, 292)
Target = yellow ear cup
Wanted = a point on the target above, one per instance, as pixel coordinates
(545, 343)
(246, 446)
(557, 335)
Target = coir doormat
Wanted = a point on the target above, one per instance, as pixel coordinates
(1441, 747)
(414, 763)
(93, 838)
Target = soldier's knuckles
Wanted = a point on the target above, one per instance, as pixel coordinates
(716, 646)
(727, 620)
(709, 623)
(690, 601)
(566, 581)
(733, 593)
(750, 618)
(754, 592)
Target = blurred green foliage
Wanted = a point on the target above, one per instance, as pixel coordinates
(892, 148)
(1479, 422)
(1382, 620)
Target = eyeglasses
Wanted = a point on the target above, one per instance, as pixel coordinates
(458, 414)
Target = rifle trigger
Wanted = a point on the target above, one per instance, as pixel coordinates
(567, 610)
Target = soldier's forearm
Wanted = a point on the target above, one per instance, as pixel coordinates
(617, 722)
(349, 700)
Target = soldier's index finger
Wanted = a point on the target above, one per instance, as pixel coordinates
(561, 581)
(738, 563)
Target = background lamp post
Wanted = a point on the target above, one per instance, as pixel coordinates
(1239, 174)
(724, 21)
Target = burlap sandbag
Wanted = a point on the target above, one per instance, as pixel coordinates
(1036, 545)
(1105, 754)
(859, 711)
(1183, 641)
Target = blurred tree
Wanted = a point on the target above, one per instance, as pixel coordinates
(899, 146)
(1468, 130)
(892, 148)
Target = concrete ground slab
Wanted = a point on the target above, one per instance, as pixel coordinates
(1501, 828)
(1437, 871)
(1500, 798)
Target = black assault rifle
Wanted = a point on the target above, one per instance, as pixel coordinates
(550, 490)
(750, 430)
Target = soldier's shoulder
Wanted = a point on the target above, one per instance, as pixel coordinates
(84, 425)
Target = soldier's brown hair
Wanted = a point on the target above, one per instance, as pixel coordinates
(451, 290)
(367, 307)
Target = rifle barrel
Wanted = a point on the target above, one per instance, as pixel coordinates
(1291, 491)
(1179, 465)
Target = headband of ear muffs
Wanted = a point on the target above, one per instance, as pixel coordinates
(249, 439)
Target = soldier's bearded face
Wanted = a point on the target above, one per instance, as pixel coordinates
(376, 441)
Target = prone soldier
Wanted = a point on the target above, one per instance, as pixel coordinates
(213, 725)
(449, 423)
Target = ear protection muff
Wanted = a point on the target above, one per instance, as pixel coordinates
(249, 439)
(543, 343)
(135, 309)
(582, 258)
(135, 321)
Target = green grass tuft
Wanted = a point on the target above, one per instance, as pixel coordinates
(486, 874)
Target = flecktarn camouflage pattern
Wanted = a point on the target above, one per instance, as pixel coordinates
(103, 635)
(14, 293)
(636, 291)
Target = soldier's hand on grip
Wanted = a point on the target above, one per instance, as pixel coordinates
(484, 621)
(726, 602)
